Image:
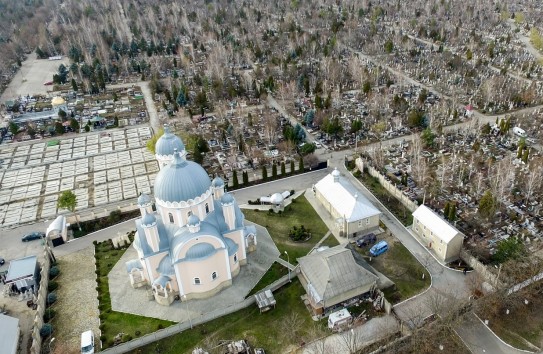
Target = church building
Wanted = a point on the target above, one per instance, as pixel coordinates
(196, 241)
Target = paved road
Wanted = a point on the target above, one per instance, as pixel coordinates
(149, 101)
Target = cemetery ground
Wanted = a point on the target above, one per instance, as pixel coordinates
(298, 213)
(278, 330)
(400, 266)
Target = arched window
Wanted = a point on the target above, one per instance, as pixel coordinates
(170, 216)
(207, 208)
(236, 258)
(197, 281)
(189, 213)
(213, 275)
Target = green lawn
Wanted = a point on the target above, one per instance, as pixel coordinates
(390, 202)
(276, 330)
(400, 266)
(300, 212)
(275, 272)
(113, 322)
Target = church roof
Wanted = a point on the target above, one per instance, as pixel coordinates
(345, 198)
(181, 181)
(168, 143)
(199, 251)
(144, 199)
(165, 266)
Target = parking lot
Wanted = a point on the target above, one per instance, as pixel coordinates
(100, 168)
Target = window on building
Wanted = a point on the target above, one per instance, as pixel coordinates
(207, 208)
(236, 258)
(170, 216)
(189, 214)
(367, 221)
(197, 281)
(359, 223)
(213, 275)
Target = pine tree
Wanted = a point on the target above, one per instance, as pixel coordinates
(245, 176)
(264, 173)
(274, 171)
(291, 167)
(447, 211)
(283, 169)
(301, 165)
(235, 179)
(525, 156)
(452, 212)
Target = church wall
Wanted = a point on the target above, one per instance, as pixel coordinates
(203, 270)
(153, 262)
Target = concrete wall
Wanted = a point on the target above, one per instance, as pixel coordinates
(389, 186)
(42, 298)
(480, 268)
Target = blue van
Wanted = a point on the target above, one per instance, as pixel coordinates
(378, 249)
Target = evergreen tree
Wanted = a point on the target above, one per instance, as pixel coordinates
(74, 85)
(447, 210)
(235, 179)
(452, 212)
(274, 171)
(301, 165)
(525, 156)
(245, 176)
(264, 173)
(283, 169)
(487, 205)
(291, 167)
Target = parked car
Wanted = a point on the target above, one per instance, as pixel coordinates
(87, 342)
(378, 249)
(366, 240)
(33, 236)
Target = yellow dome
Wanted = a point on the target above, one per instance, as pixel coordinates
(57, 101)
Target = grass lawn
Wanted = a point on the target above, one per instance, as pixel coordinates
(275, 272)
(276, 330)
(400, 266)
(116, 322)
(390, 202)
(300, 212)
(530, 316)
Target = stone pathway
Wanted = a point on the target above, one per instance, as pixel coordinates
(77, 304)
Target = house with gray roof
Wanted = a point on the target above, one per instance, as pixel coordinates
(23, 273)
(333, 276)
(9, 335)
(195, 242)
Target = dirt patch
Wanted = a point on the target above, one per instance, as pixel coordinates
(76, 310)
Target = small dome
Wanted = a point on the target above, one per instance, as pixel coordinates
(144, 199)
(148, 220)
(227, 198)
(168, 143)
(58, 101)
(193, 220)
(162, 281)
(181, 181)
(217, 182)
(336, 172)
(165, 266)
(276, 198)
(200, 250)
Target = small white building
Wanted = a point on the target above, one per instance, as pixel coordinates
(437, 234)
(352, 211)
(9, 335)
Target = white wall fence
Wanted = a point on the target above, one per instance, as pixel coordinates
(388, 185)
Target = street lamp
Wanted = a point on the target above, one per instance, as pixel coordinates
(288, 260)
(188, 313)
(51, 342)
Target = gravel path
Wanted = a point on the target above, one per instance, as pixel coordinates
(77, 304)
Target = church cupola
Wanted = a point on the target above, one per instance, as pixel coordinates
(227, 202)
(149, 224)
(218, 188)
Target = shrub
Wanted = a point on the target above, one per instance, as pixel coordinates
(299, 234)
(51, 298)
(138, 333)
(103, 339)
(53, 272)
(291, 191)
(52, 286)
(48, 315)
(114, 216)
(127, 338)
(160, 326)
(46, 330)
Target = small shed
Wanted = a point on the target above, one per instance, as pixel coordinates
(265, 300)
(9, 335)
(23, 273)
(339, 319)
(57, 232)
